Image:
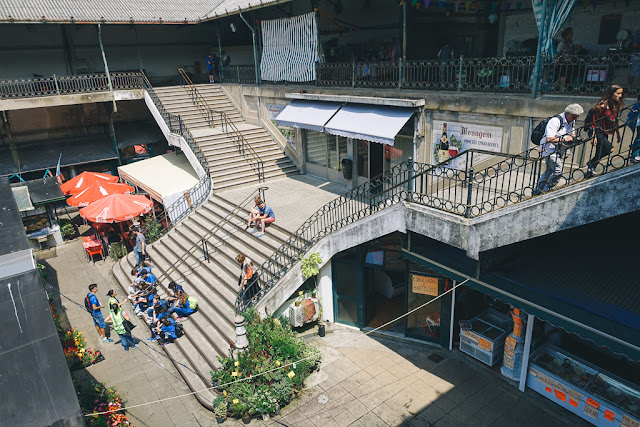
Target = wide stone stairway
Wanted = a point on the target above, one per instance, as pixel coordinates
(209, 331)
(228, 167)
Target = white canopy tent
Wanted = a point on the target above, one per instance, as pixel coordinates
(165, 178)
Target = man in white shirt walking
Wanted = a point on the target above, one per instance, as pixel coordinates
(560, 130)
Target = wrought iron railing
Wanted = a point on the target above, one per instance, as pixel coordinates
(584, 74)
(200, 192)
(67, 85)
(470, 184)
(202, 243)
(587, 74)
(226, 124)
(241, 74)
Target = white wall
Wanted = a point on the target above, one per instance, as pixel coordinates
(584, 21)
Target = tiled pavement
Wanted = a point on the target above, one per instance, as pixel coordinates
(366, 382)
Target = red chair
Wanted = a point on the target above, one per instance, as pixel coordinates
(95, 250)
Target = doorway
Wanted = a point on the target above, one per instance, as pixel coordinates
(347, 280)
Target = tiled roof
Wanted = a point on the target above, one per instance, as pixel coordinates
(124, 11)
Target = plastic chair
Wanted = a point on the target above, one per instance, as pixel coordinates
(94, 251)
(87, 238)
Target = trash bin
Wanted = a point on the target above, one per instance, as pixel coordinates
(347, 168)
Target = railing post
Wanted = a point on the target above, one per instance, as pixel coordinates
(55, 79)
(467, 213)
(353, 73)
(460, 75)
(238, 68)
(410, 180)
(317, 65)
(400, 74)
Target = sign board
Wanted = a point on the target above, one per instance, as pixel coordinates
(287, 131)
(425, 285)
(462, 137)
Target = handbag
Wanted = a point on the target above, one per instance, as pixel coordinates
(128, 325)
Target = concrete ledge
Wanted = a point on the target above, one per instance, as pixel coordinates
(79, 98)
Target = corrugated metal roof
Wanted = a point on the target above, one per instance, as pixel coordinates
(124, 11)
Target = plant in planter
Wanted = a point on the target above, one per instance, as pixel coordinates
(220, 409)
(311, 268)
(67, 229)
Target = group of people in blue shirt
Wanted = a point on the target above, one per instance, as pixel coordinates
(145, 298)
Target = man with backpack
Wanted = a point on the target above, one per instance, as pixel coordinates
(93, 306)
(558, 130)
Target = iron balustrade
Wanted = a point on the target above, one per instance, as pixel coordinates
(68, 85)
(585, 74)
(193, 198)
(472, 183)
(241, 74)
(226, 124)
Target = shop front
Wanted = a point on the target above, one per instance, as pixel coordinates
(352, 141)
(562, 349)
(374, 285)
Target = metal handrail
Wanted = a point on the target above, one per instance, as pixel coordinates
(200, 192)
(451, 185)
(202, 242)
(225, 122)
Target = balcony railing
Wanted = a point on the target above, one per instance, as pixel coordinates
(241, 74)
(67, 85)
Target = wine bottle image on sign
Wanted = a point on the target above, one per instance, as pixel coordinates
(443, 146)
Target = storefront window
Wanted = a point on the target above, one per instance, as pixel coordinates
(363, 158)
(316, 147)
(398, 153)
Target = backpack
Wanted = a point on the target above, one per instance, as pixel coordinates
(539, 131)
(193, 303)
(179, 330)
(87, 304)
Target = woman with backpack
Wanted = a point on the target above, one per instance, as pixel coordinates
(185, 306)
(603, 124)
(118, 318)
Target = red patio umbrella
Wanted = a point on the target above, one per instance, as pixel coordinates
(116, 208)
(98, 191)
(85, 179)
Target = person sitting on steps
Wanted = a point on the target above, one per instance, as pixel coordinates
(266, 217)
(255, 212)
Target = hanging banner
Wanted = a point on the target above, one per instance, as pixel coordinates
(450, 138)
(288, 132)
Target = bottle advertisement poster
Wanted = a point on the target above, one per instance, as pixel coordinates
(451, 138)
(288, 132)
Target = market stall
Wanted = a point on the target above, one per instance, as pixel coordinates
(584, 389)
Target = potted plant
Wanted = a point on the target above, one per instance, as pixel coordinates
(311, 268)
(220, 410)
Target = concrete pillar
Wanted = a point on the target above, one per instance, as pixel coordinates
(242, 343)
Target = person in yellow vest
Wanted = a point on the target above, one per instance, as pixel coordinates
(117, 318)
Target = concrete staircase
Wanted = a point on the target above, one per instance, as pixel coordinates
(228, 166)
(209, 331)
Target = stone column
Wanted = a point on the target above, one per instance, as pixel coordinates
(242, 344)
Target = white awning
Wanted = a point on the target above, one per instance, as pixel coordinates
(165, 177)
(307, 114)
(369, 122)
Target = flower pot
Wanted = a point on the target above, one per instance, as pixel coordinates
(321, 330)
(277, 412)
(265, 417)
(246, 419)
(297, 303)
(220, 420)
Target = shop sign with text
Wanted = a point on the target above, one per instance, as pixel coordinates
(450, 138)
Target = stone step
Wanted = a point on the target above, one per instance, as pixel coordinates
(250, 176)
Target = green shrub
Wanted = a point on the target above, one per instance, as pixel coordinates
(153, 230)
(43, 271)
(270, 376)
(67, 229)
(118, 250)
